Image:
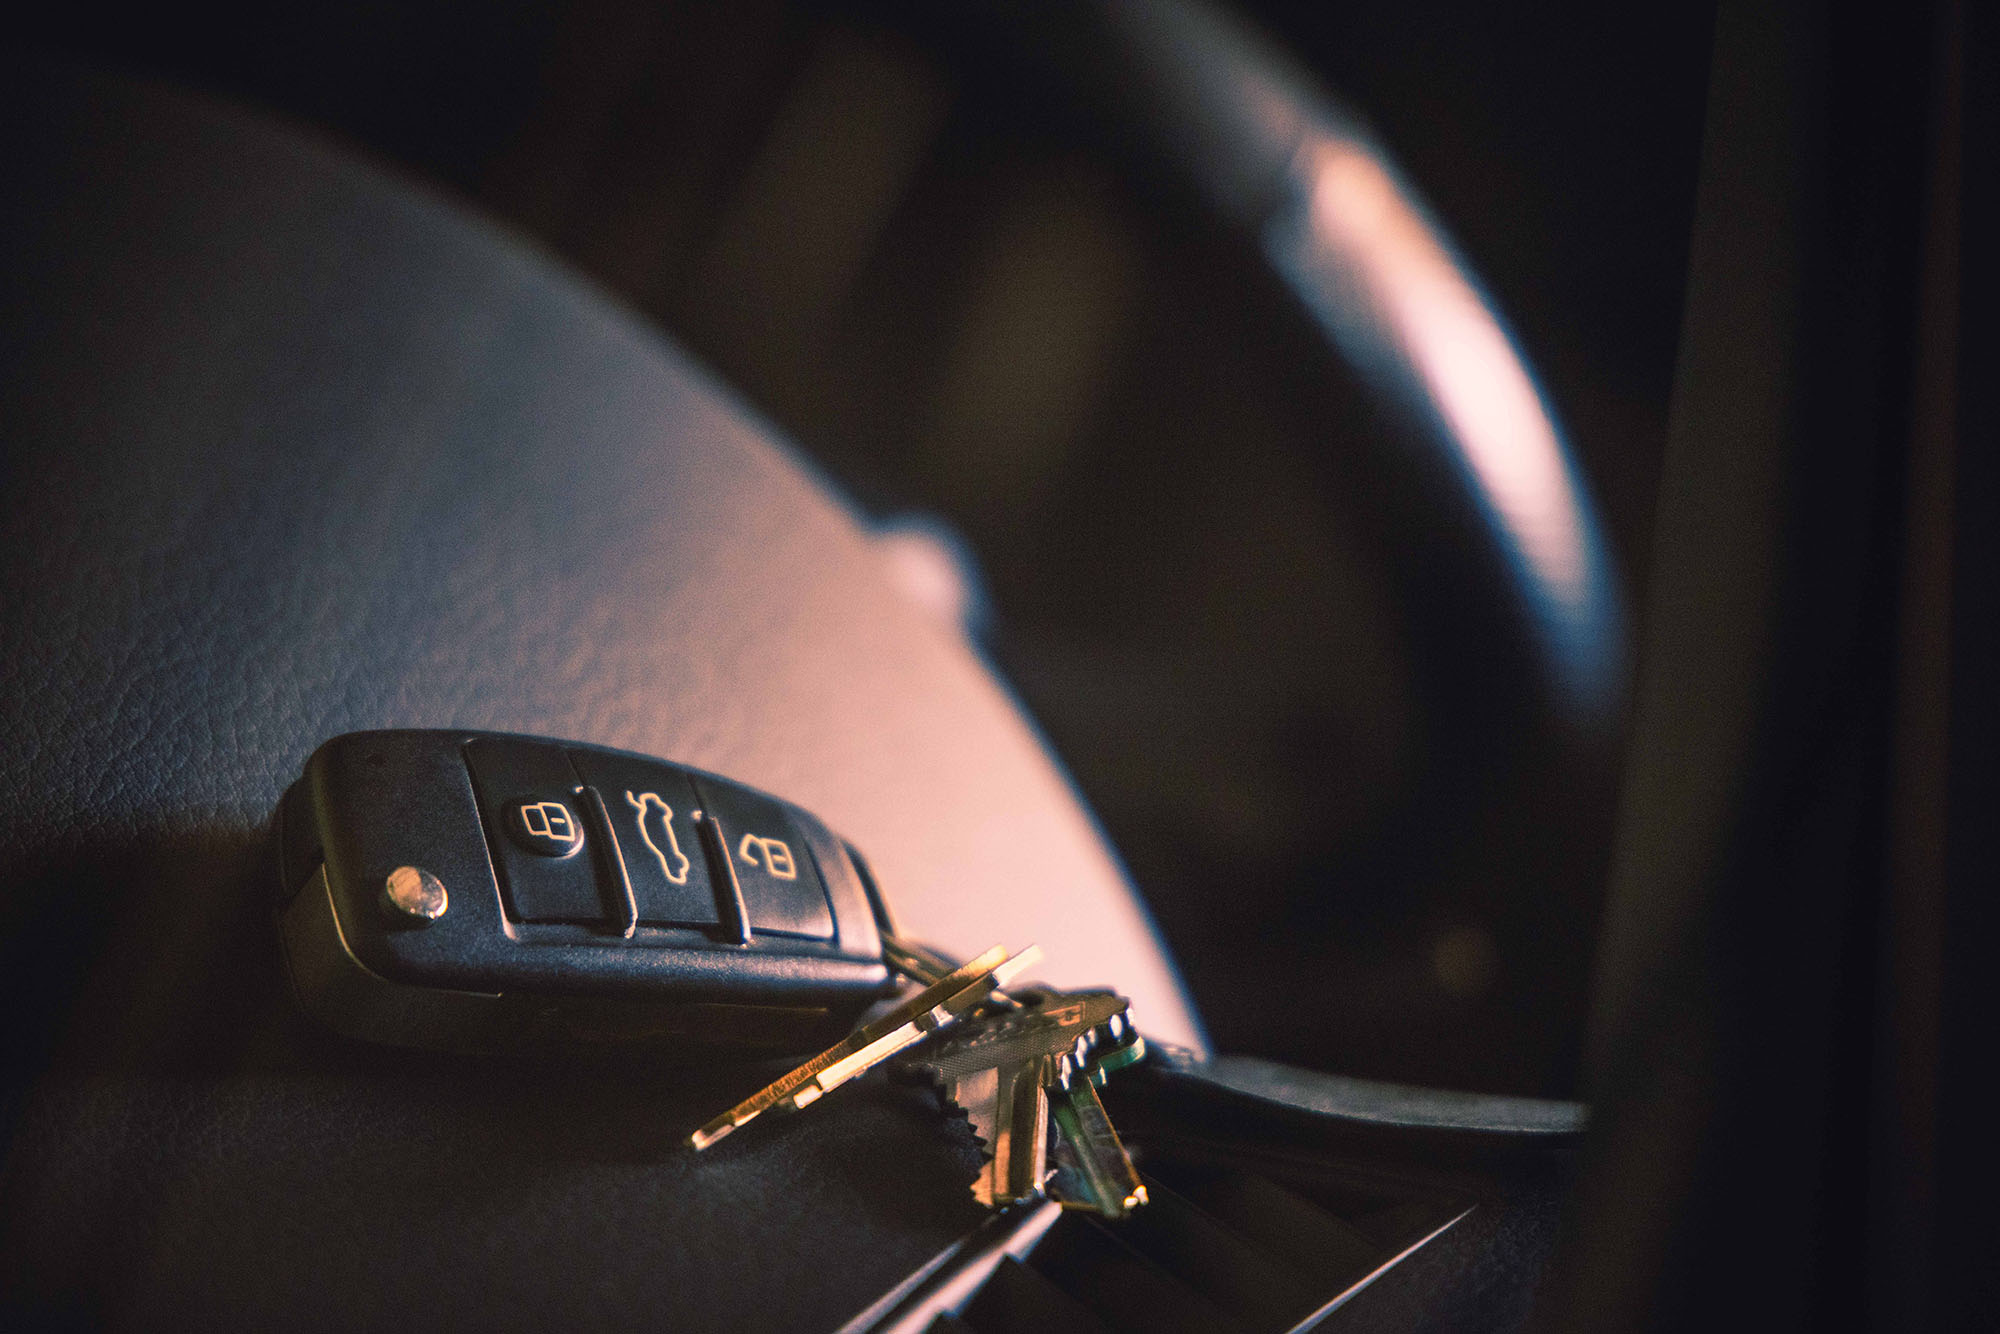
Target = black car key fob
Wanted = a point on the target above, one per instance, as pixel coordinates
(480, 891)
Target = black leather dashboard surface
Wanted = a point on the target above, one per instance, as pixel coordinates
(291, 450)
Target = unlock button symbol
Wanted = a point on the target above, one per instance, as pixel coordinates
(545, 827)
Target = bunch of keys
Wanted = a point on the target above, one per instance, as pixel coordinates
(1024, 1068)
(467, 890)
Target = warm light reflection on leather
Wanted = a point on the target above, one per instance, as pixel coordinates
(1376, 271)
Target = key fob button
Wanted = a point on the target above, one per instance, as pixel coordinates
(478, 891)
(544, 826)
(650, 809)
(525, 786)
(782, 893)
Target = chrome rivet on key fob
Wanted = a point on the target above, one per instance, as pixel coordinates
(415, 892)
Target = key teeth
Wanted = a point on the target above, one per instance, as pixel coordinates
(981, 1183)
(953, 1112)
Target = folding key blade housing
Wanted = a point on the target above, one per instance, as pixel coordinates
(585, 895)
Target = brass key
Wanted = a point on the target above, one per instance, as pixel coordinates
(1093, 1170)
(926, 966)
(938, 1006)
(999, 1072)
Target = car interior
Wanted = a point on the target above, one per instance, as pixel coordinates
(1436, 553)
